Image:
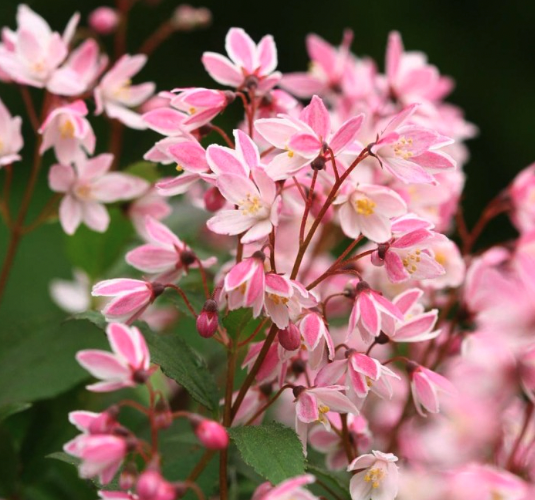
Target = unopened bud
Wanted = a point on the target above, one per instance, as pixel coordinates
(290, 338)
(187, 18)
(163, 418)
(318, 163)
(152, 486)
(208, 321)
(104, 20)
(213, 199)
(211, 434)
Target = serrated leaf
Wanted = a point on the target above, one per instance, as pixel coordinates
(92, 316)
(272, 450)
(37, 358)
(179, 362)
(96, 252)
(236, 321)
(12, 408)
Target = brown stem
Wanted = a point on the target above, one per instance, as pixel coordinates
(224, 135)
(254, 370)
(47, 210)
(162, 33)
(308, 204)
(30, 108)
(254, 334)
(346, 439)
(330, 198)
(184, 298)
(203, 278)
(527, 418)
(268, 404)
(116, 141)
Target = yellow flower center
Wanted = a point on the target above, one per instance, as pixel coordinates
(375, 476)
(83, 192)
(323, 409)
(251, 205)
(123, 89)
(192, 110)
(365, 206)
(441, 258)
(402, 148)
(66, 129)
(179, 168)
(410, 260)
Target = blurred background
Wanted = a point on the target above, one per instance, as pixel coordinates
(487, 47)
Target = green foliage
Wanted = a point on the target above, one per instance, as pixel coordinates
(237, 321)
(272, 450)
(96, 252)
(144, 169)
(11, 408)
(37, 358)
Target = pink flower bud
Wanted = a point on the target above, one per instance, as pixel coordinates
(187, 18)
(207, 321)
(290, 338)
(212, 435)
(152, 486)
(213, 200)
(104, 20)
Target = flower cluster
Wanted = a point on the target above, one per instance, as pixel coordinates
(331, 228)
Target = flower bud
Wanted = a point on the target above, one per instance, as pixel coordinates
(290, 338)
(213, 200)
(104, 20)
(152, 486)
(207, 321)
(211, 434)
(187, 18)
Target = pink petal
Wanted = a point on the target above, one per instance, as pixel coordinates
(61, 178)
(346, 134)
(241, 49)
(277, 131)
(322, 53)
(394, 51)
(317, 116)
(305, 144)
(408, 299)
(127, 304)
(412, 329)
(109, 288)
(224, 161)
(160, 233)
(103, 365)
(221, 69)
(368, 314)
(166, 121)
(190, 156)
(267, 55)
(70, 214)
(247, 148)
(95, 216)
(152, 258)
(307, 407)
(229, 222)
(365, 365)
(425, 393)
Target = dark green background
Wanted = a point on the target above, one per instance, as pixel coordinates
(487, 47)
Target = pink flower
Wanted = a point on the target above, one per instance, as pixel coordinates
(201, 105)
(245, 284)
(305, 139)
(131, 297)
(314, 403)
(291, 489)
(116, 495)
(83, 66)
(67, 130)
(362, 374)
(101, 455)
(370, 309)
(11, 140)
(258, 206)
(126, 367)
(410, 152)
(87, 187)
(115, 94)
(165, 255)
(409, 254)
(191, 161)
(379, 480)
(522, 192)
(34, 51)
(330, 68)
(317, 339)
(367, 209)
(103, 20)
(425, 386)
(211, 434)
(249, 64)
(409, 77)
(152, 486)
(150, 204)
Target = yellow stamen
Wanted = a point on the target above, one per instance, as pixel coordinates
(375, 476)
(251, 205)
(277, 299)
(365, 206)
(66, 129)
(179, 168)
(192, 110)
(441, 258)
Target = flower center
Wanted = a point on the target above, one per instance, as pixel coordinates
(251, 205)
(123, 89)
(375, 476)
(365, 206)
(83, 192)
(410, 260)
(323, 409)
(440, 258)
(277, 299)
(402, 148)
(66, 129)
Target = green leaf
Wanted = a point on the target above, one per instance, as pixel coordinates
(92, 316)
(179, 362)
(37, 358)
(12, 408)
(272, 450)
(336, 481)
(236, 321)
(96, 252)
